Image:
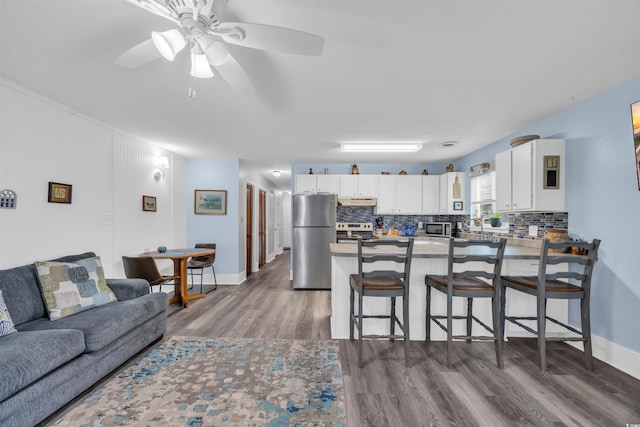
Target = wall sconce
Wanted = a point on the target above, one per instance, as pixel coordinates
(162, 163)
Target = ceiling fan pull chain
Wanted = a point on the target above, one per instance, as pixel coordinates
(192, 90)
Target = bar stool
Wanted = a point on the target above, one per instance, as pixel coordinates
(547, 285)
(483, 281)
(388, 283)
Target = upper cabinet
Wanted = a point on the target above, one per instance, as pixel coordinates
(452, 193)
(400, 194)
(327, 184)
(431, 194)
(306, 184)
(358, 185)
(530, 177)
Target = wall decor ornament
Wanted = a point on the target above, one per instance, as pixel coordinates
(149, 203)
(210, 202)
(59, 193)
(8, 199)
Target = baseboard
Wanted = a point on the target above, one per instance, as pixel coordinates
(223, 279)
(628, 361)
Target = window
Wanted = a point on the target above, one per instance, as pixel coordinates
(483, 195)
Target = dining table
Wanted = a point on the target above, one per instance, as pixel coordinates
(180, 258)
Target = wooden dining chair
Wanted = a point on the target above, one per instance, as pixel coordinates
(572, 283)
(473, 271)
(387, 283)
(202, 262)
(146, 268)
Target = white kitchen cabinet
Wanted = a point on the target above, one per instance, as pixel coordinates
(387, 195)
(431, 194)
(400, 194)
(368, 185)
(328, 184)
(530, 177)
(452, 193)
(358, 185)
(306, 184)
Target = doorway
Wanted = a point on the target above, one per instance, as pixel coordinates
(249, 243)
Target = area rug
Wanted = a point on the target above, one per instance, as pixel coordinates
(187, 381)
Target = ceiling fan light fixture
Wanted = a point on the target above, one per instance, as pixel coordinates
(377, 147)
(217, 53)
(168, 43)
(200, 67)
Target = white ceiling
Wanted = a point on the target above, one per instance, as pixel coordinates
(471, 71)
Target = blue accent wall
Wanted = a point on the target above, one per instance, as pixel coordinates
(215, 174)
(602, 200)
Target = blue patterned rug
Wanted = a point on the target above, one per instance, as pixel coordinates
(187, 381)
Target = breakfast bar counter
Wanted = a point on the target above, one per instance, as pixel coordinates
(430, 257)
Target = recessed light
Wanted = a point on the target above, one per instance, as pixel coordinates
(448, 143)
(378, 147)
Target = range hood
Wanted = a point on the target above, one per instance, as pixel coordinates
(357, 201)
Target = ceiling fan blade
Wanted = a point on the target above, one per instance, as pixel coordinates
(271, 38)
(138, 55)
(157, 7)
(233, 73)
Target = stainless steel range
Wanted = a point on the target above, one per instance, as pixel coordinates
(350, 232)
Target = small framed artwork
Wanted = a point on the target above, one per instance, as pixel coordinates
(210, 202)
(635, 119)
(59, 193)
(148, 203)
(457, 206)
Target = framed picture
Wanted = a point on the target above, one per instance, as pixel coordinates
(210, 202)
(457, 206)
(59, 193)
(148, 203)
(635, 119)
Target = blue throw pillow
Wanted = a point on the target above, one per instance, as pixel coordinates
(6, 324)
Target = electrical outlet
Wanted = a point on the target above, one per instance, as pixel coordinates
(105, 219)
(533, 230)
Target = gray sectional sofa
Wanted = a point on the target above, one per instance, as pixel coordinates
(48, 363)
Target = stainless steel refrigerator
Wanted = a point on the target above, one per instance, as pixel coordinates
(314, 228)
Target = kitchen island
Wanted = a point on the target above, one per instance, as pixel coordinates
(430, 257)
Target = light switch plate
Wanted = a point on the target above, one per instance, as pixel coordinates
(533, 230)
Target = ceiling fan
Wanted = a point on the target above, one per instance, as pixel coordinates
(200, 27)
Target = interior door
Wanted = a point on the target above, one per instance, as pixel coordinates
(262, 229)
(249, 233)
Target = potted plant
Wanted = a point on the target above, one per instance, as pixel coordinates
(495, 219)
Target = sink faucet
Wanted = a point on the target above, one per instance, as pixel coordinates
(479, 221)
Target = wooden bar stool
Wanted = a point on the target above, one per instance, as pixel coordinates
(386, 283)
(547, 285)
(482, 281)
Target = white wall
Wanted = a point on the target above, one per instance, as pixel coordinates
(42, 141)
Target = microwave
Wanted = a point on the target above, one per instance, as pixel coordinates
(442, 229)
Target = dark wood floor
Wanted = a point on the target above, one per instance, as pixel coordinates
(385, 393)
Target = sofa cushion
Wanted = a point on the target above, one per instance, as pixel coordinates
(103, 325)
(6, 324)
(72, 287)
(21, 291)
(28, 356)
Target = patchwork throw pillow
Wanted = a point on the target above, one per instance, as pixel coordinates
(6, 324)
(72, 287)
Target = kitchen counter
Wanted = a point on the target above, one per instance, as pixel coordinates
(430, 257)
(431, 247)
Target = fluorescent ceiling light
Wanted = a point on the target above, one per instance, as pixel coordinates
(372, 147)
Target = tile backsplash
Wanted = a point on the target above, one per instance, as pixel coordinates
(518, 222)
